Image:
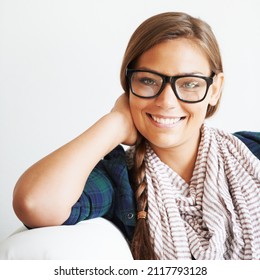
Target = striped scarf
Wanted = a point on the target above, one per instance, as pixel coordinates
(217, 215)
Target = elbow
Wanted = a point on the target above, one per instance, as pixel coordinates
(35, 211)
(25, 211)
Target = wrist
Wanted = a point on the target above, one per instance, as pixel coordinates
(125, 128)
(121, 126)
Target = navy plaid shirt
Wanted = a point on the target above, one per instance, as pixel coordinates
(108, 192)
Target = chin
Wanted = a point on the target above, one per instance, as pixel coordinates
(163, 143)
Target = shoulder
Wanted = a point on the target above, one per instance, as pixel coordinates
(251, 139)
(114, 162)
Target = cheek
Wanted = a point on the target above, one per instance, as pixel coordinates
(138, 112)
(136, 115)
(196, 111)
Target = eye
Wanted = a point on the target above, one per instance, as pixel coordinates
(190, 85)
(148, 81)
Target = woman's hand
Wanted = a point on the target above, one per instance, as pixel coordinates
(122, 107)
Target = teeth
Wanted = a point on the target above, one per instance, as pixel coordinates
(165, 120)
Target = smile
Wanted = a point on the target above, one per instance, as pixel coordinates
(166, 121)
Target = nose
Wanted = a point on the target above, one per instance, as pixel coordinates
(167, 99)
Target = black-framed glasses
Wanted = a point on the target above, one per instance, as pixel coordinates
(187, 88)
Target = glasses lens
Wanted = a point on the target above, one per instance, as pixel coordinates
(146, 84)
(191, 88)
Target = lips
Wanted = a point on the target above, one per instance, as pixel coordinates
(166, 120)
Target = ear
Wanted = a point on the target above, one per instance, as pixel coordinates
(217, 86)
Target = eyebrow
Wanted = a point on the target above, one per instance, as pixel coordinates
(177, 74)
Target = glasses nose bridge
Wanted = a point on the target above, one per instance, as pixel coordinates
(169, 80)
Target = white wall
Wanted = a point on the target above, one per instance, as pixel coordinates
(59, 72)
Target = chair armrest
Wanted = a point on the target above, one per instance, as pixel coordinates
(96, 239)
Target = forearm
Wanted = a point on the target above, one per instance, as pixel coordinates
(46, 192)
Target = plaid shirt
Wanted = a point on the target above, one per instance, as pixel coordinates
(108, 193)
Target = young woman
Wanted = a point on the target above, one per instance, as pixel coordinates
(183, 190)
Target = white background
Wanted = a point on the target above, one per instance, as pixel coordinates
(59, 72)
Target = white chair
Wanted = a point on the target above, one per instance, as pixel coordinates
(96, 239)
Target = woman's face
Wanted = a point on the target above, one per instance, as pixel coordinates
(165, 121)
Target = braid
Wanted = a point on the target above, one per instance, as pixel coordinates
(141, 245)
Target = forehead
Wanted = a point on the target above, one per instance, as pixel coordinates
(175, 56)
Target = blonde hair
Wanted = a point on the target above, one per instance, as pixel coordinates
(154, 30)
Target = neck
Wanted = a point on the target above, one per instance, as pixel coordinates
(181, 159)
